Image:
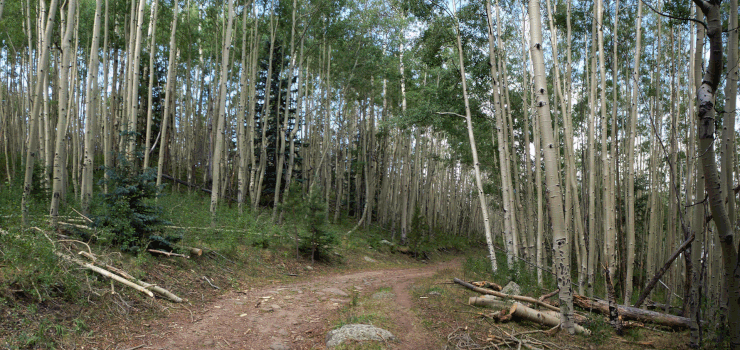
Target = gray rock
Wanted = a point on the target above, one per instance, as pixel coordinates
(278, 345)
(309, 268)
(434, 292)
(369, 259)
(512, 288)
(336, 291)
(359, 332)
(385, 242)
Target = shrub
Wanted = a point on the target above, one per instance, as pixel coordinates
(132, 221)
(309, 214)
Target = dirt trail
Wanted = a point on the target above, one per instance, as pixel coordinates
(289, 315)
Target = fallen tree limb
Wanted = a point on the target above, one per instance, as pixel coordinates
(162, 252)
(105, 273)
(159, 290)
(632, 313)
(522, 312)
(502, 295)
(659, 274)
(549, 295)
(580, 319)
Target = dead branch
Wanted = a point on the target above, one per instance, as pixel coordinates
(659, 274)
(105, 273)
(169, 254)
(549, 295)
(506, 296)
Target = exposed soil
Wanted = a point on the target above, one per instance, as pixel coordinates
(289, 315)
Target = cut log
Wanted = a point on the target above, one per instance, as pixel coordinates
(614, 319)
(489, 302)
(520, 311)
(580, 319)
(502, 295)
(632, 313)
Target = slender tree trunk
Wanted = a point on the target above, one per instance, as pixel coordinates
(705, 113)
(561, 249)
(630, 199)
(471, 138)
(64, 88)
(91, 114)
(33, 129)
(218, 158)
(169, 88)
(152, 48)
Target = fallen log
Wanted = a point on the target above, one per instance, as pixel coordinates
(162, 252)
(105, 273)
(159, 290)
(666, 266)
(580, 319)
(489, 302)
(632, 313)
(522, 312)
(506, 296)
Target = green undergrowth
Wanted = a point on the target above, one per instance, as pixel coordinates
(49, 303)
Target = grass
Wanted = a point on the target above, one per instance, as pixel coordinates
(49, 304)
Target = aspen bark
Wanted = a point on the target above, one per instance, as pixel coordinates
(92, 104)
(59, 163)
(171, 74)
(36, 108)
(705, 114)
(561, 249)
(152, 48)
(218, 158)
(630, 199)
(474, 150)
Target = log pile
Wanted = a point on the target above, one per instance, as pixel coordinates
(538, 310)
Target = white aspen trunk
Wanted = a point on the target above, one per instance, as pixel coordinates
(499, 115)
(59, 163)
(243, 91)
(169, 89)
(281, 130)
(91, 114)
(592, 222)
(152, 47)
(218, 159)
(698, 225)
(133, 107)
(561, 249)
(728, 126)
(630, 198)
(263, 117)
(705, 114)
(36, 108)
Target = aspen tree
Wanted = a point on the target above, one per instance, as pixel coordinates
(152, 48)
(630, 198)
(698, 222)
(474, 151)
(592, 224)
(36, 108)
(561, 249)
(92, 104)
(171, 76)
(705, 114)
(218, 159)
(133, 107)
(728, 151)
(281, 130)
(241, 111)
(263, 116)
(59, 164)
(508, 232)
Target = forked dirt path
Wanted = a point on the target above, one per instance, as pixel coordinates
(289, 315)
